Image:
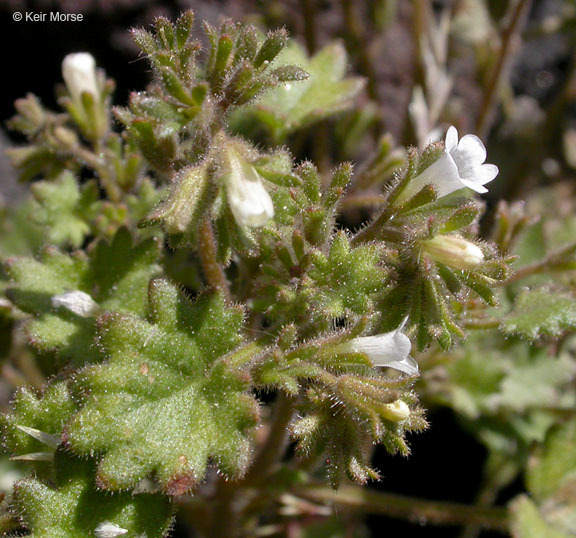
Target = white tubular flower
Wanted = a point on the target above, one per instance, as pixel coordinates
(389, 349)
(109, 530)
(396, 411)
(249, 201)
(79, 73)
(78, 302)
(454, 251)
(461, 165)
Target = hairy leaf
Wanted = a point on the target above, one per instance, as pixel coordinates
(167, 402)
(293, 106)
(72, 507)
(65, 210)
(114, 274)
(539, 313)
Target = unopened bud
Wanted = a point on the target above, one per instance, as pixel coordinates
(396, 411)
(79, 73)
(249, 200)
(453, 251)
(78, 302)
(66, 137)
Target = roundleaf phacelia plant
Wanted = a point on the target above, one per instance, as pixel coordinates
(213, 316)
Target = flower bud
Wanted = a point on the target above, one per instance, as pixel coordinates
(453, 251)
(78, 302)
(66, 137)
(79, 73)
(396, 411)
(249, 200)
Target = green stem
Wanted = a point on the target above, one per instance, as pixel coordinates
(489, 323)
(99, 166)
(213, 271)
(275, 444)
(399, 506)
(377, 230)
(354, 201)
(516, 15)
(555, 261)
(231, 498)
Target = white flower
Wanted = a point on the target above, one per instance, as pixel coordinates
(461, 165)
(454, 251)
(249, 201)
(79, 73)
(109, 530)
(78, 302)
(389, 349)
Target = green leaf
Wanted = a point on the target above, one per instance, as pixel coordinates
(495, 377)
(46, 414)
(528, 521)
(554, 466)
(72, 507)
(342, 284)
(19, 235)
(167, 402)
(541, 313)
(293, 106)
(65, 210)
(114, 274)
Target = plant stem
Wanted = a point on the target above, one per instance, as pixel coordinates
(356, 36)
(228, 505)
(377, 230)
(489, 323)
(555, 261)
(354, 201)
(275, 444)
(399, 506)
(212, 270)
(516, 15)
(309, 18)
(99, 166)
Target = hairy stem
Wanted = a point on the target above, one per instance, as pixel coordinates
(213, 271)
(275, 444)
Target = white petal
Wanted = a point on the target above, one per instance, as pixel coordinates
(109, 530)
(46, 438)
(389, 349)
(451, 139)
(481, 174)
(470, 152)
(34, 456)
(251, 206)
(78, 302)
(249, 200)
(474, 186)
(443, 174)
(408, 366)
